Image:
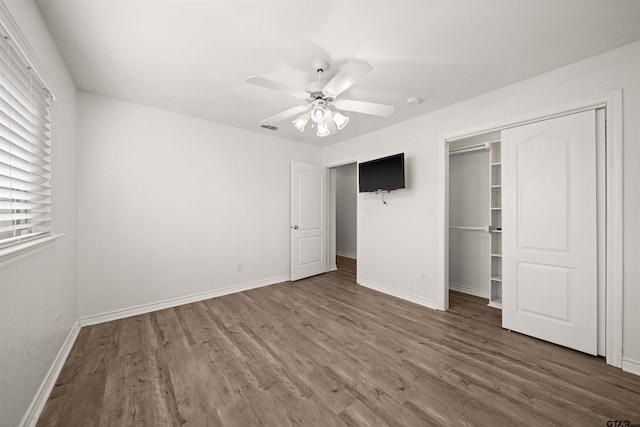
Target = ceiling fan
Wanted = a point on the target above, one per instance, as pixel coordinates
(322, 102)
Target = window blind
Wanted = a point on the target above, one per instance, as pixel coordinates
(25, 153)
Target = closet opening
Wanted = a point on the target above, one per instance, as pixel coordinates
(534, 178)
(343, 215)
(475, 217)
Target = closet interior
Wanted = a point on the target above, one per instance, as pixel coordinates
(475, 217)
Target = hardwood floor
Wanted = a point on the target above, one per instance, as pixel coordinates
(326, 352)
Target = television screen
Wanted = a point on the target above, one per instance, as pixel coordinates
(385, 174)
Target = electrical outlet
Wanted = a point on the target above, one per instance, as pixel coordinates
(423, 277)
(240, 267)
(57, 322)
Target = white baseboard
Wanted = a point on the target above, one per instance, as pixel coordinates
(333, 267)
(399, 294)
(174, 302)
(37, 404)
(631, 366)
(468, 290)
(347, 254)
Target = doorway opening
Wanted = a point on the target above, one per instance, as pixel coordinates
(343, 214)
(475, 217)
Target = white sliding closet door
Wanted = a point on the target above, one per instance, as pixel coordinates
(550, 230)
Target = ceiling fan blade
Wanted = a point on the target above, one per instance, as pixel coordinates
(284, 115)
(352, 71)
(372, 108)
(269, 84)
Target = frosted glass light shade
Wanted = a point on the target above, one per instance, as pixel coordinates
(301, 121)
(318, 114)
(340, 120)
(323, 129)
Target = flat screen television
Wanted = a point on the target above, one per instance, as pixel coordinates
(384, 174)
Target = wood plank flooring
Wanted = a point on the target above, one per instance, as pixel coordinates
(326, 352)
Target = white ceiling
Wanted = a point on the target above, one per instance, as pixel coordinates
(192, 57)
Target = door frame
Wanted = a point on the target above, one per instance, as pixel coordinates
(331, 214)
(612, 103)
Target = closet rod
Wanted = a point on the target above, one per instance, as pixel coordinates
(457, 227)
(483, 146)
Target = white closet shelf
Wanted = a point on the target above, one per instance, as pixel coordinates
(459, 227)
(495, 303)
(496, 278)
(496, 254)
(496, 164)
(496, 209)
(496, 186)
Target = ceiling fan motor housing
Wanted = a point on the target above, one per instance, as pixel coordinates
(315, 90)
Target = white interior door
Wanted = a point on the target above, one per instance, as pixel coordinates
(308, 220)
(550, 231)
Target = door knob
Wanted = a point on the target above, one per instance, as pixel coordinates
(295, 227)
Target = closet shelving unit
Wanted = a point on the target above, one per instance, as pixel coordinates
(495, 291)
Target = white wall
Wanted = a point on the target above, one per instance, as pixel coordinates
(399, 241)
(33, 290)
(169, 205)
(346, 210)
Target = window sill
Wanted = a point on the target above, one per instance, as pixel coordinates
(17, 252)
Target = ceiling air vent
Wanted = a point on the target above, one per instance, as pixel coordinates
(270, 127)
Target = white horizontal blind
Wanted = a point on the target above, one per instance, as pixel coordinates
(25, 155)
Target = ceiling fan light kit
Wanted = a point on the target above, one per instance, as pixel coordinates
(323, 117)
(322, 106)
